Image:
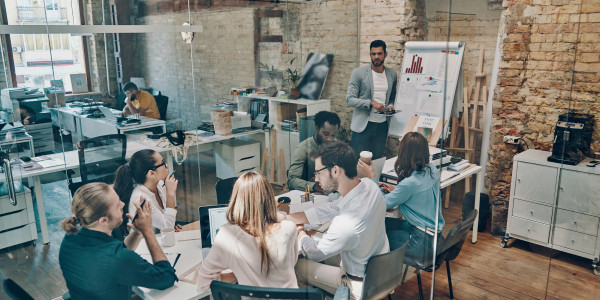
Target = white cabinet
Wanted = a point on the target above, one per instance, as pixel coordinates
(17, 222)
(554, 205)
(236, 157)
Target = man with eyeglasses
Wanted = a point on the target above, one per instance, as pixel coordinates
(301, 169)
(356, 233)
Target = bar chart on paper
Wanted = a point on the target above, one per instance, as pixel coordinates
(415, 66)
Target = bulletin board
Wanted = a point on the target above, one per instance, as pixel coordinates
(420, 89)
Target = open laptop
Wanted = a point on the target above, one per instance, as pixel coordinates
(108, 114)
(211, 219)
(378, 167)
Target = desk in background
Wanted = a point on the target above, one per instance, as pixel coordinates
(82, 127)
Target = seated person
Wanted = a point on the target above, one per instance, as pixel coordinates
(356, 233)
(27, 115)
(146, 175)
(416, 195)
(139, 102)
(259, 250)
(98, 266)
(302, 167)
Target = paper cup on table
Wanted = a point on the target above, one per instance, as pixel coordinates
(366, 157)
(168, 237)
(303, 198)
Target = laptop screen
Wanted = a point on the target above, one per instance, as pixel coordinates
(211, 220)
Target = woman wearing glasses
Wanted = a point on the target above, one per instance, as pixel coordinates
(146, 176)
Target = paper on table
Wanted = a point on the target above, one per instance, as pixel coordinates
(51, 163)
(188, 235)
(171, 257)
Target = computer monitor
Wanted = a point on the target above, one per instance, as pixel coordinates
(211, 220)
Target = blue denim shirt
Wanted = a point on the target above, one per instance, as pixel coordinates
(98, 266)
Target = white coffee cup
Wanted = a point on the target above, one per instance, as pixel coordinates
(366, 156)
(168, 237)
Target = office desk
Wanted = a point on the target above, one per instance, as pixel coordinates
(71, 119)
(473, 170)
(191, 255)
(71, 162)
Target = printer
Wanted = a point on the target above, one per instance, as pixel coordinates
(31, 99)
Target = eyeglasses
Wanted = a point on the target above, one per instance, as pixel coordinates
(158, 166)
(321, 169)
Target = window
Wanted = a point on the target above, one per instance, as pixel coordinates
(39, 58)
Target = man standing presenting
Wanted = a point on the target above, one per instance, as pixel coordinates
(372, 90)
(139, 102)
(356, 233)
(302, 168)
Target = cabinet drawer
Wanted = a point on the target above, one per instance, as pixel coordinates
(246, 151)
(576, 222)
(246, 164)
(532, 211)
(535, 182)
(6, 207)
(529, 229)
(238, 174)
(574, 240)
(18, 236)
(579, 191)
(14, 220)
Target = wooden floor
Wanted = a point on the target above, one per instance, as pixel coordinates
(482, 271)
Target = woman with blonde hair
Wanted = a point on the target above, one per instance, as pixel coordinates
(259, 250)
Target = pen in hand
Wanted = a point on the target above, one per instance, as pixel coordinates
(136, 215)
(170, 175)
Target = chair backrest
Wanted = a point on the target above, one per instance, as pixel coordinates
(227, 291)
(452, 243)
(224, 189)
(384, 272)
(162, 102)
(100, 157)
(14, 291)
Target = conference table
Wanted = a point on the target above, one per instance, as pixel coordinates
(69, 160)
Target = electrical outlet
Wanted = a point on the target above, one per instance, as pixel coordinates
(510, 139)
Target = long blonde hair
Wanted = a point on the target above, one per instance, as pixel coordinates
(253, 208)
(90, 203)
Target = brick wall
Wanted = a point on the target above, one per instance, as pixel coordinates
(549, 66)
(96, 53)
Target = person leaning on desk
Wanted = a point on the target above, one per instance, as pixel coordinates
(258, 249)
(96, 265)
(139, 102)
(417, 193)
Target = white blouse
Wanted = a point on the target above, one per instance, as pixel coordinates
(161, 218)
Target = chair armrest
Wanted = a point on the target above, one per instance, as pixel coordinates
(342, 293)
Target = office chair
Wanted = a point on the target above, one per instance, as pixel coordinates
(224, 189)
(14, 291)
(228, 291)
(384, 272)
(448, 249)
(99, 158)
(162, 102)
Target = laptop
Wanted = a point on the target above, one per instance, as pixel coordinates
(378, 167)
(211, 219)
(108, 114)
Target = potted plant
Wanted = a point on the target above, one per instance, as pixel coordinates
(272, 72)
(293, 78)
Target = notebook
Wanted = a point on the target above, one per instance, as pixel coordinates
(378, 166)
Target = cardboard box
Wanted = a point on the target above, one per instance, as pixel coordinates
(56, 99)
(241, 121)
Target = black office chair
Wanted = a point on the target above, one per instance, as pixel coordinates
(228, 291)
(448, 249)
(99, 158)
(162, 102)
(14, 291)
(224, 189)
(383, 272)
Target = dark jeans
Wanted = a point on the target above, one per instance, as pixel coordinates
(420, 244)
(373, 139)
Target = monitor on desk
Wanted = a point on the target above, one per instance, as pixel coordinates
(211, 220)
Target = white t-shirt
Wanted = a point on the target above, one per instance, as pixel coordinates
(161, 218)
(380, 86)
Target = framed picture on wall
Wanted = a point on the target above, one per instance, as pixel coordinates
(79, 83)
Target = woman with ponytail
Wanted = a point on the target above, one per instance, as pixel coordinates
(259, 250)
(146, 176)
(96, 265)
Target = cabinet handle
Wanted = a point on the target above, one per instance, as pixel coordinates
(572, 241)
(575, 222)
(518, 180)
(561, 188)
(531, 212)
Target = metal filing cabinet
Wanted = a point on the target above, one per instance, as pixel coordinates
(235, 157)
(554, 205)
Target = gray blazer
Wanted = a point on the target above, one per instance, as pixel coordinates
(360, 94)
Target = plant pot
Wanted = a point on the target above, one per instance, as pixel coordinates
(272, 91)
(294, 93)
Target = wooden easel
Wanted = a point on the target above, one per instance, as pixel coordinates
(472, 130)
(273, 158)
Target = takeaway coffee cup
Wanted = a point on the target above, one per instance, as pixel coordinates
(168, 237)
(366, 156)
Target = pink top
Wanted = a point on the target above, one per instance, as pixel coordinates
(234, 249)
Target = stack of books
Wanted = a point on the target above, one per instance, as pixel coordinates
(288, 125)
(459, 166)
